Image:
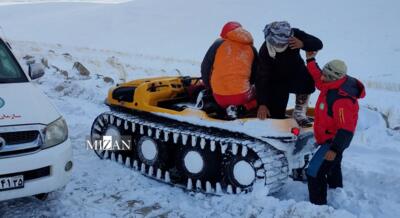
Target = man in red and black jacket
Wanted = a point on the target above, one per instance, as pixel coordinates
(336, 115)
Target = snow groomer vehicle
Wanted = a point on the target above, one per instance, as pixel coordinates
(180, 138)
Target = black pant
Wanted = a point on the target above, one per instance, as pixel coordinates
(329, 174)
(277, 102)
(278, 97)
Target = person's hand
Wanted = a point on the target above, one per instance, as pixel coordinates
(311, 54)
(330, 155)
(263, 112)
(295, 43)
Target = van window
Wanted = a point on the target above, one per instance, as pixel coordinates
(10, 71)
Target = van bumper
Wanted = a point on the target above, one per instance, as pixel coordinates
(44, 171)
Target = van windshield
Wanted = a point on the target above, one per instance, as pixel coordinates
(10, 71)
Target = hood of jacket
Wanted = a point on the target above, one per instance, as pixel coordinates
(240, 35)
(352, 87)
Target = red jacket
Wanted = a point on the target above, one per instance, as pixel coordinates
(336, 110)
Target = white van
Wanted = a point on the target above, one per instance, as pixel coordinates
(35, 152)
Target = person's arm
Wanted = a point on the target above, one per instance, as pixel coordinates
(254, 66)
(262, 78)
(345, 114)
(263, 75)
(310, 42)
(208, 62)
(315, 72)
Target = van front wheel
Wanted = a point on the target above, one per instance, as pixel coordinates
(42, 196)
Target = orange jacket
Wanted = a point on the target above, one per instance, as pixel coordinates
(229, 64)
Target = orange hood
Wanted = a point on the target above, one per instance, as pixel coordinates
(240, 35)
(232, 64)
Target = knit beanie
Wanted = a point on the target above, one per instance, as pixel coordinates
(278, 33)
(334, 70)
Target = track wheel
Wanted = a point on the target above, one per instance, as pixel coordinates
(151, 152)
(193, 163)
(104, 126)
(240, 172)
(197, 163)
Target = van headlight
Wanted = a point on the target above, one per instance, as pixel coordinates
(55, 133)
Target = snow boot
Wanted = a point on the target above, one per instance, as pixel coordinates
(300, 110)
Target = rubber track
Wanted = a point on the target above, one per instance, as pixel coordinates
(271, 165)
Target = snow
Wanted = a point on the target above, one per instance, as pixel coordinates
(148, 38)
(253, 127)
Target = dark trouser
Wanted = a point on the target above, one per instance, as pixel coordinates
(277, 102)
(278, 97)
(328, 174)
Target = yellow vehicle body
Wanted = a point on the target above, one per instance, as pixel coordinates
(149, 93)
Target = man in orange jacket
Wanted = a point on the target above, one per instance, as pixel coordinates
(336, 115)
(228, 69)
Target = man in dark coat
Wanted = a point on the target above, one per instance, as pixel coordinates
(282, 70)
(336, 115)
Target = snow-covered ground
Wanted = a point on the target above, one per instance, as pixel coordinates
(146, 38)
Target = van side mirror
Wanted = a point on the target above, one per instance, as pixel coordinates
(36, 70)
(9, 46)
